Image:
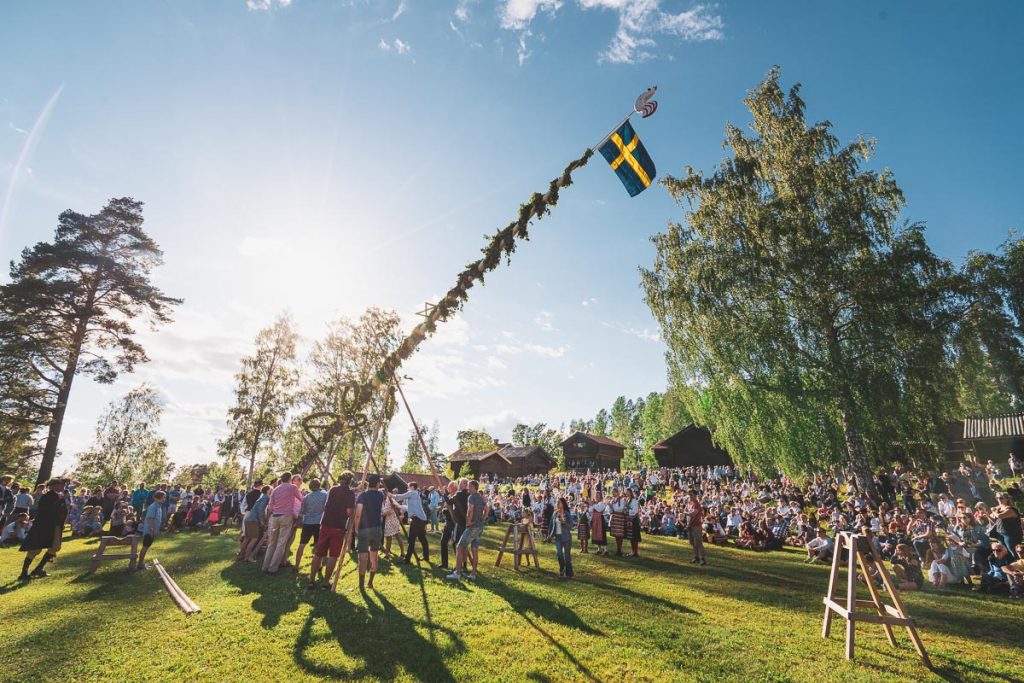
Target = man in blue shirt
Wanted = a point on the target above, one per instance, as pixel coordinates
(417, 520)
(311, 511)
(139, 498)
(368, 522)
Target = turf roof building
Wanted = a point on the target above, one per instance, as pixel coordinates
(504, 461)
(592, 452)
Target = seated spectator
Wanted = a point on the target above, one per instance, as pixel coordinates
(995, 579)
(906, 565)
(819, 548)
(16, 530)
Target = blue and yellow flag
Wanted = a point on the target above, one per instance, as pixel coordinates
(629, 159)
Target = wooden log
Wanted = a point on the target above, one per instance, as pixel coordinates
(184, 602)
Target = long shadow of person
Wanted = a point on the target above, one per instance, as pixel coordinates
(275, 596)
(385, 641)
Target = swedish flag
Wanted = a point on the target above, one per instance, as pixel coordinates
(629, 159)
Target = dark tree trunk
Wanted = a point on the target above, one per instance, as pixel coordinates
(57, 419)
(856, 458)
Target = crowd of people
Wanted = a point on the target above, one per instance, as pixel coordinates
(960, 527)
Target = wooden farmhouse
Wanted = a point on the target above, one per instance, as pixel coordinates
(690, 447)
(401, 481)
(592, 452)
(504, 461)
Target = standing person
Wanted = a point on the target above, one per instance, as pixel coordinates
(46, 531)
(392, 521)
(367, 523)
(253, 524)
(229, 508)
(417, 521)
(448, 532)
(23, 501)
(151, 526)
(333, 526)
(469, 543)
(311, 512)
(598, 533)
(139, 497)
(459, 509)
(619, 520)
(281, 508)
(6, 498)
(583, 527)
(632, 510)
(693, 519)
(561, 532)
(435, 502)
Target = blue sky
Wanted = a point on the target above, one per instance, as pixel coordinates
(321, 157)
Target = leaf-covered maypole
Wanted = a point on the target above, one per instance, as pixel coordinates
(628, 158)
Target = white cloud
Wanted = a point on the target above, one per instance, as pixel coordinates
(546, 321)
(639, 22)
(536, 349)
(497, 423)
(402, 6)
(264, 5)
(462, 11)
(518, 14)
(589, 302)
(398, 45)
(495, 363)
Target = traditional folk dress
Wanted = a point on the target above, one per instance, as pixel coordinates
(620, 519)
(633, 525)
(583, 526)
(392, 525)
(597, 526)
(48, 527)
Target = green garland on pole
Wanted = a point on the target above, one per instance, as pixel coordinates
(501, 243)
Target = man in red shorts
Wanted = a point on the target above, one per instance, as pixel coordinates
(337, 511)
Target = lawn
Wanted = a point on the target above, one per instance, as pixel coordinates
(744, 617)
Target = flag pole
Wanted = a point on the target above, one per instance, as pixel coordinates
(612, 131)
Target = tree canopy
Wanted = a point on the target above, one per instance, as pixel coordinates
(805, 322)
(70, 304)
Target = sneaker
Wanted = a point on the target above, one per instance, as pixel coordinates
(24, 577)
(472, 576)
(454, 576)
(325, 587)
(695, 560)
(703, 562)
(310, 586)
(39, 574)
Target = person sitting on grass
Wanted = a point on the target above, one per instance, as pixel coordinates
(16, 530)
(91, 522)
(117, 518)
(939, 561)
(713, 531)
(819, 548)
(151, 524)
(1015, 574)
(906, 565)
(995, 579)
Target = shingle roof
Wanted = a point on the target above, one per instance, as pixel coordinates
(996, 426)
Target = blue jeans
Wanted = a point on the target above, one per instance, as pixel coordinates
(564, 550)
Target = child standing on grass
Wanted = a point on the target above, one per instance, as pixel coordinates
(583, 527)
(151, 524)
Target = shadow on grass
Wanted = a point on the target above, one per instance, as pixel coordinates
(381, 637)
(275, 595)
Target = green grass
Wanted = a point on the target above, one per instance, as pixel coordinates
(745, 617)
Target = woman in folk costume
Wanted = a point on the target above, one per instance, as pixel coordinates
(620, 519)
(598, 533)
(632, 510)
(583, 526)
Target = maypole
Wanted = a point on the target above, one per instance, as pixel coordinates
(621, 148)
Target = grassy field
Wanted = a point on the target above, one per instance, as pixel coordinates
(744, 617)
